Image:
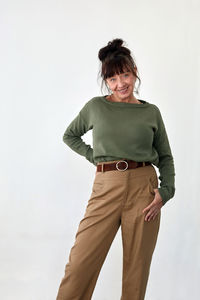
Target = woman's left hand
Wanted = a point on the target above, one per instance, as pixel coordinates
(153, 208)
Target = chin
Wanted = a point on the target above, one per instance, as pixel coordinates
(127, 95)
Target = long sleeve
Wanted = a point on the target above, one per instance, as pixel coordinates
(72, 136)
(166, 161)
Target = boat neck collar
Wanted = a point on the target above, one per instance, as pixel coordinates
(125, 104)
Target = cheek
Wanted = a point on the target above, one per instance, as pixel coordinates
(131, 81)
(110, 85)
(113, 87)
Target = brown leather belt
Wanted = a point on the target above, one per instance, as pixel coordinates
(121, 165)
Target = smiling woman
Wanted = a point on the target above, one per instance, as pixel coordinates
(129, 139)
(122, 87)
(119, 71)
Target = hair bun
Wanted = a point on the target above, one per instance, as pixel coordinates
(112, 46)
(115, 44)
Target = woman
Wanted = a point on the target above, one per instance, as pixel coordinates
(129, 137)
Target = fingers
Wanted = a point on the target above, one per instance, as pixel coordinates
(152, 212)
(153, 208)
(148, 207)
(151, 215)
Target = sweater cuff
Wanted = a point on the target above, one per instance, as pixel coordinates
(166, 193)
(89, 155)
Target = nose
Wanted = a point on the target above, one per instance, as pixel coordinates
(120, 83)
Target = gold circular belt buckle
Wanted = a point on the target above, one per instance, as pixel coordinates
(122, 169)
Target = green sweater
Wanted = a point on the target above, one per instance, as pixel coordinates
(124, 130)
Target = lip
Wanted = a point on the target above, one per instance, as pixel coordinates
(123, 90)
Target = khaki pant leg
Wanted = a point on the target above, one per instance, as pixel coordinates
(138, 236)
(94, 237)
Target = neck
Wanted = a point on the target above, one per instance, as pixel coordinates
(128, 100)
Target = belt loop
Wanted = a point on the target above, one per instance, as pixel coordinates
(102, 167)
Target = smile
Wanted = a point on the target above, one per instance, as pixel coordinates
(123, 90)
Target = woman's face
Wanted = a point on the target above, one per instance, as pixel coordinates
(122, 85)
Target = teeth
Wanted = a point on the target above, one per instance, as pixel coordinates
(123, 90)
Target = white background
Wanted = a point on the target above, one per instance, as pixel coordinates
(48, 71)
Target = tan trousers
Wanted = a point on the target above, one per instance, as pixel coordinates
(117, 198)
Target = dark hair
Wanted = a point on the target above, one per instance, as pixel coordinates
(116, 59)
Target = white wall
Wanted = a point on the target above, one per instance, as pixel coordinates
(48, 71)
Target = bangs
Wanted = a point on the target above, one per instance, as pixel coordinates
(116, 66)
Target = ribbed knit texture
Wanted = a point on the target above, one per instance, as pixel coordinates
(124, 130)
